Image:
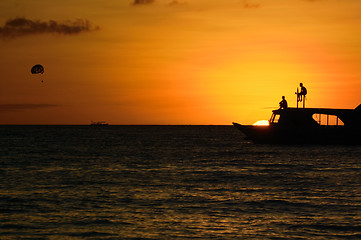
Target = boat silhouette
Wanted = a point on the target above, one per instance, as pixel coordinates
(99, 123)
(304, 126)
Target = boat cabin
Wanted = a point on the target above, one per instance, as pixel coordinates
(315, 117)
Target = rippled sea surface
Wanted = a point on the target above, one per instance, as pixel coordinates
(173, 182)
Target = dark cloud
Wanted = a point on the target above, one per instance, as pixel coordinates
(142, 2)
(22, 107)
(20, 26)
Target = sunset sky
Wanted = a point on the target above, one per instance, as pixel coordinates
(175, 61)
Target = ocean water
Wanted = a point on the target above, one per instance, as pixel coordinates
(173, 182)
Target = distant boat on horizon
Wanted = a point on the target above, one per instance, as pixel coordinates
(307, 126)
(99, 123)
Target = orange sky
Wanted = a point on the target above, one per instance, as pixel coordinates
(175, 61)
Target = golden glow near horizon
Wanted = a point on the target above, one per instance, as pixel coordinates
(175, 62)
(261, 123)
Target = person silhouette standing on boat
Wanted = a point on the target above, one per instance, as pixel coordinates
(302, 94)
(283, 103)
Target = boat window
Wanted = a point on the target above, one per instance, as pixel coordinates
(275, 118)
(327, 120)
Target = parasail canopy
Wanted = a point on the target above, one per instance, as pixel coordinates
(37, 69)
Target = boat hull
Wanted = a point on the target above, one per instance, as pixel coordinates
(306, 135)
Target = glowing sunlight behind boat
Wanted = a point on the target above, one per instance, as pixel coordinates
(261, 123)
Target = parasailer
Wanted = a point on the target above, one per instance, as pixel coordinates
(37, 69)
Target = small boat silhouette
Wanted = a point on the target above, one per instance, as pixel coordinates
(99, 123)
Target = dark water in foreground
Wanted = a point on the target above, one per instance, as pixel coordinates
(173, 182)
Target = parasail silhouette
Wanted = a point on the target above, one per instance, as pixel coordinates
(36, 69)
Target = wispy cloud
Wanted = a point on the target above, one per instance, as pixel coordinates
(22, 107)
(250, 5)
(177, 3)
(20, 26)
(142, 2)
